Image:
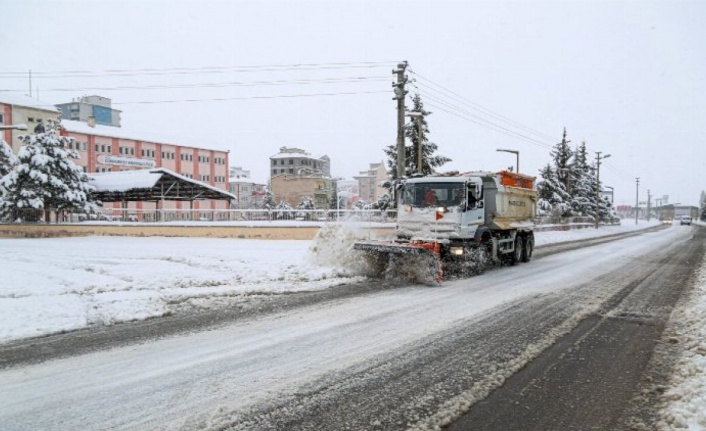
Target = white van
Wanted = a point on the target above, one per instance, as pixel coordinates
(685, 220)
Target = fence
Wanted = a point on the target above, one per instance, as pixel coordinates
(252, 215)
(203, 215)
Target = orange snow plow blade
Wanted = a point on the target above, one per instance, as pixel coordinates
(432, 249)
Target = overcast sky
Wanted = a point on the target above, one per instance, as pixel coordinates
(627, 77)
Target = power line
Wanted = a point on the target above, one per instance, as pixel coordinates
(494, 127)
(471, 117)
(197, 70)
(451, 99)
(224, 99)
(463, 100)
(358, 79)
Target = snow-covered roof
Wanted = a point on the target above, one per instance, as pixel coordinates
(289, 153)
(124, 133)
(152, 184)
(10, 98)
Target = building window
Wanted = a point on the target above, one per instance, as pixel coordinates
(291, 162)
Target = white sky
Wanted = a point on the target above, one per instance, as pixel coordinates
(626, 77)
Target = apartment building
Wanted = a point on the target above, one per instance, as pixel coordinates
(369, 182)
(295, 173)
(18, 109)
(108, 148)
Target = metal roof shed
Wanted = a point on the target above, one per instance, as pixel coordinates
(152, 185)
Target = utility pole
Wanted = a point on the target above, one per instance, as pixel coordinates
(649, 204)
(598, 185)
(637, 198)
(400, 94)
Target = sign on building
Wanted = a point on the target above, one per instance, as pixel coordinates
(126, 162)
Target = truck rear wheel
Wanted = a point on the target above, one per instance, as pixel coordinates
(528, 248)
(519, 251)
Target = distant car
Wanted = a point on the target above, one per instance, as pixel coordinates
(685, 220)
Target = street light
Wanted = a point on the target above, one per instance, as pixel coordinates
(598, 184)
(515, 152)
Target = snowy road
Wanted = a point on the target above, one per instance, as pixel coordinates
(387, 359)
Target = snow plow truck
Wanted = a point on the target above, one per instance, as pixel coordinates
(460, 223)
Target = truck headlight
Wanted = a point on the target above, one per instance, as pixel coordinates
(457, 251)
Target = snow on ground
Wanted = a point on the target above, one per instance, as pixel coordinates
(52, 285)
(685, 407)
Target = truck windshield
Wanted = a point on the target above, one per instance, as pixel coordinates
(423, 195)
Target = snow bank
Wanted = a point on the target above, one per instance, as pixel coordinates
(685, 407)
(61, 284)
(550, 237)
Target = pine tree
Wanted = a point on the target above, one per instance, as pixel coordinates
(383, 203)
(284, 211)
(561, 154)
(551, 194)
(430, 160)
(8, 159)
(582, 182)
(703, 206)
(305, 206)
(46, 178)
(268, 201)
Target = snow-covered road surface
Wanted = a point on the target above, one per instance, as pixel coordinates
(229, 375)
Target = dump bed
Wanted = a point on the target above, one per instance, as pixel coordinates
(510, 201)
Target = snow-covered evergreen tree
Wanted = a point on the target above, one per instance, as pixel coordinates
(268, 201)
(46, 178)
(383, 203)
(430, 160)
(561, 154)
(8, 159)
(605, 209)
(553, 200)
(582, 184)
(702, 213)
(284, 211)
(305, 206)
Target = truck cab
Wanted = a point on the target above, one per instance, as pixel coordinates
(440, 208)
